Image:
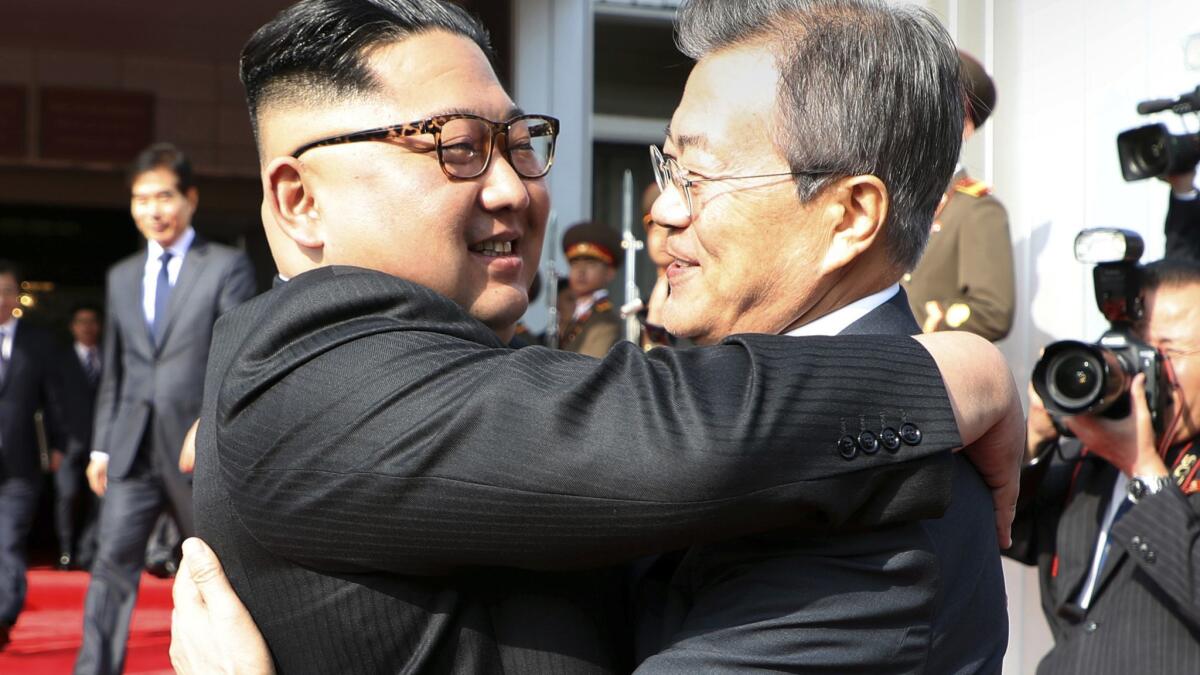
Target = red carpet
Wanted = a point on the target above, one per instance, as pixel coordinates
(48, 632)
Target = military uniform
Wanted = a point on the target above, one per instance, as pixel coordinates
(967, 268)
(598, 327)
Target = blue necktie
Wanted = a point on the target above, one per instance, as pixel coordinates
(162, 295)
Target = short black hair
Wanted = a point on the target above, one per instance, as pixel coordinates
(316, 50)
(86, 307)
(11, 268)
(865, 87)
(1170, 272)
(164, 156)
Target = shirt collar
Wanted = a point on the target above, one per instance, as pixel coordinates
(179, 249)
(9, 328)
(839, 319)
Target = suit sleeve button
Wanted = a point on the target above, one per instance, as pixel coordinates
(868, 442)
(910, 434)
(1150, 557)
(1091, 627)
(889, 439)
(847, 447)
(1136, 541)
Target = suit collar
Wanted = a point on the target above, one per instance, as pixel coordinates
(835, 322)
(1079, 527)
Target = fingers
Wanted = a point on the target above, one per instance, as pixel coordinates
(211, 584)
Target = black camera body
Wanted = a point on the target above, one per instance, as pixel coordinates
(1077, 378)
(1152, 151)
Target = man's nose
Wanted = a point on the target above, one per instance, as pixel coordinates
(670, 209)
(503, 188)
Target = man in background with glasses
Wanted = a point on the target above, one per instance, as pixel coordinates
(387, 485)
(1111, 517)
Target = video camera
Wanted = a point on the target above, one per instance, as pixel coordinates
(1077, 378)
(1151, 151)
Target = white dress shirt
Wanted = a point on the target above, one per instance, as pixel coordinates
(7, 331)
(82, 352)
(839, 319)
(585, 305)
(150, 273)
(1119, 495)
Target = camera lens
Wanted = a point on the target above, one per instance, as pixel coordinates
(1075, 379)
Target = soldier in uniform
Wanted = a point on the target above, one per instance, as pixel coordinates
(965, 279)
(595, 325)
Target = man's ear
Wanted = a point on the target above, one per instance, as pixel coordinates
(290, 204)
(193, 197)
(855, 215)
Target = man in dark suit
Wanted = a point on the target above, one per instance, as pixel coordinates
(75, 505)
(28, 382)
(1111, 518)
(162, 303)
(366, 457)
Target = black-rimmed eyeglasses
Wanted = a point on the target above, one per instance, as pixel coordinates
(464, 143)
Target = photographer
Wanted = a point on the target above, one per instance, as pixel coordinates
(1183, 217)
(1112, 517)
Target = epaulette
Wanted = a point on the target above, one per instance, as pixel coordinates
(604, 305)
(972, 187)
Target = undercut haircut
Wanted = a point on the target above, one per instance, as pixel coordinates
(866, 87)
(1170, 272)
(315, 52)
(164, 156)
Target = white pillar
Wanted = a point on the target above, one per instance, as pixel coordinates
(554, 74)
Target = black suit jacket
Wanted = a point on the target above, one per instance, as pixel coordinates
(30, 383)
(368, 455)
(1183, 229)
(923, 597)
(78, 406)
(156, 389)
(1144, 616)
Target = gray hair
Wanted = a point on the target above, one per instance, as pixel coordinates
(865, 88)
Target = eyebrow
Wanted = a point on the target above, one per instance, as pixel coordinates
(515, 111)
(684, 141)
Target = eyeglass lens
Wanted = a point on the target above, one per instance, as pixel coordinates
(466, 146)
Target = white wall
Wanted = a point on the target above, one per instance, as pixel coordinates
(1069, 74)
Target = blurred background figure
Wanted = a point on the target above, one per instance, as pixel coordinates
(964, 281)
(162, 303)
(28, 382)
(595, 326)
(650, 315)
(75, 506)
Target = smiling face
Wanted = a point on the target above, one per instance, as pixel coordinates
(161, 212)
(747, 259)
(387, 205)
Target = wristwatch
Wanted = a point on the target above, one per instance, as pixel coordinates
(1143, 486)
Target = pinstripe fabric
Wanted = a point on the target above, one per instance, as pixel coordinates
(360, 430)
(1145, 614)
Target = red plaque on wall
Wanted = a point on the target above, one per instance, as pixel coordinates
(12, 121)
(95, 125)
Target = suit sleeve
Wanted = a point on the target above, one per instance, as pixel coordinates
(419, 453)
(111, 375)
(1162, 534)
(985, 272)
(1183, 229)
(54, 398)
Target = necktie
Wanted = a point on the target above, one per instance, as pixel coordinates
(162, 295)
(92, 366)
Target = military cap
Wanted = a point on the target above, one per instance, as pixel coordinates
(593, 240)
(979, 88)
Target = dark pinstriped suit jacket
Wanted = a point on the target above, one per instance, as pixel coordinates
(370, 455)
(922, 597)
(1144, 616)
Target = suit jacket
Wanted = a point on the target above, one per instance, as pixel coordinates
(369, 453)
(1144, 615)
(78, 405)
(1183, 229)
(968, 261)
(910, 598)
(157, 389)
(30, 383)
